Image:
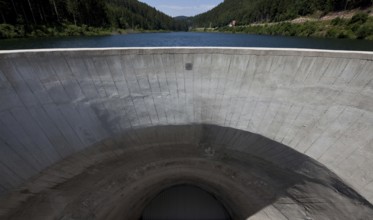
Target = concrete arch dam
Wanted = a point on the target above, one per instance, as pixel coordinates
(269, 133)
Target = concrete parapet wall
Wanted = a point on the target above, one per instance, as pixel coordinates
(55, 103)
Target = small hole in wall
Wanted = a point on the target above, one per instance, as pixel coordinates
(189, 66)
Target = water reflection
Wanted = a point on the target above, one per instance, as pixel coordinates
(187, 39)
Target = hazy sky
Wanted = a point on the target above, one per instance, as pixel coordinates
(182, 7)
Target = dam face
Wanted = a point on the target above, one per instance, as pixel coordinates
(268, 133)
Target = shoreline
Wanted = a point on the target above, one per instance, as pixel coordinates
(9, 32)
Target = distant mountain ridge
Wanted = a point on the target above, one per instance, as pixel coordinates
(249, 11)
(181, 18)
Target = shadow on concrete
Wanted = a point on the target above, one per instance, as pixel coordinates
(117, 178)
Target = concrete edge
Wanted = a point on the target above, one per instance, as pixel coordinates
(192, 50)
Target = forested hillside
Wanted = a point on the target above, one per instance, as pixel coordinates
(249, 11)
(38, 17)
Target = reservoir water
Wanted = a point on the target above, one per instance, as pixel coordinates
(174, 39)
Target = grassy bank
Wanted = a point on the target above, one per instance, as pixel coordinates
(360, 26)
(8, 31)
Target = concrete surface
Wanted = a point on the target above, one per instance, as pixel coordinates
(271, 133)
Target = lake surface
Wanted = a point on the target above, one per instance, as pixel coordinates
(192, 39)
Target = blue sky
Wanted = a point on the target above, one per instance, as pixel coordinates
(182, 7)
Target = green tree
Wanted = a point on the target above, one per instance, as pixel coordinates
(364, 31)
(72, 8)
(3, 7)
(32, 11)
(359, 18)
(53, 3)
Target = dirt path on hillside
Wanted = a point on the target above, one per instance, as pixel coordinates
(333, 15)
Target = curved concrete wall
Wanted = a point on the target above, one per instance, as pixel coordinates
(58, 104)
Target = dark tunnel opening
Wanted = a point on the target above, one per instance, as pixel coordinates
(184, 202)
